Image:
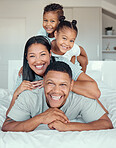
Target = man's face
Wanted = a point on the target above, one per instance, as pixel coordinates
(57, 86)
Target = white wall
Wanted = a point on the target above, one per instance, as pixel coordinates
(79, 3)
(89, 22)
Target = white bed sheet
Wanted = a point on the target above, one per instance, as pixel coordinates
(53, 139)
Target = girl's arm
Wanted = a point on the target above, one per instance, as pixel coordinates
(83, 59)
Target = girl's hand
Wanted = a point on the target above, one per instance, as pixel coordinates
(38, 84)
(20, 71)
(73, 59)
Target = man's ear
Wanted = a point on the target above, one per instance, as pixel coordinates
(55, 34)
(72, 84)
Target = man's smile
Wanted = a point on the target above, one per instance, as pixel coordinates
(56, 97)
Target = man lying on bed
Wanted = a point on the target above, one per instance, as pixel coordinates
(55, 105)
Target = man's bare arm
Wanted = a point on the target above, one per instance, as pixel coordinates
(24, 126)
(101, 124)
(46, 117)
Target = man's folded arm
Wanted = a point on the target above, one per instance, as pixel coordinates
(24, 126)
(100, 124)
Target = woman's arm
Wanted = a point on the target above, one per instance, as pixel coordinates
(25, 85)
(83, 84)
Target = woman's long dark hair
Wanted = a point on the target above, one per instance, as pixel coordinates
(28, 73)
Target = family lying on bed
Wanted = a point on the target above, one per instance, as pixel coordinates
(54, 90)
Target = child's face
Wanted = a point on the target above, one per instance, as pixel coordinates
(50, 22)
(65, 39)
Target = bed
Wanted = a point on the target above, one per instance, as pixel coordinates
(104, 74)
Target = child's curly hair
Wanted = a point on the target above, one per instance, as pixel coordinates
(54, 7)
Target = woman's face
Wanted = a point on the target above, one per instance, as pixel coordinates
(38, 58)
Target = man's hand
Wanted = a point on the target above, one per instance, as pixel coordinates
(53, 114)
(58, 125)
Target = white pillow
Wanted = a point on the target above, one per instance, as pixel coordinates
(5, 98)
(3, 92)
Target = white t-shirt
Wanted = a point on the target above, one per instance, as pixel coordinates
(74, 51)
(74, 67)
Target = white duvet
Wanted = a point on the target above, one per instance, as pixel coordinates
(53, 139)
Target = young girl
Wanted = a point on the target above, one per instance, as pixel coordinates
(64, 46)
(52, 16)
(51, 19)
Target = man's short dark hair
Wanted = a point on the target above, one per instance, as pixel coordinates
(59, 66)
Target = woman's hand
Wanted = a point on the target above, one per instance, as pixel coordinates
(38, 84)
(25, 85)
